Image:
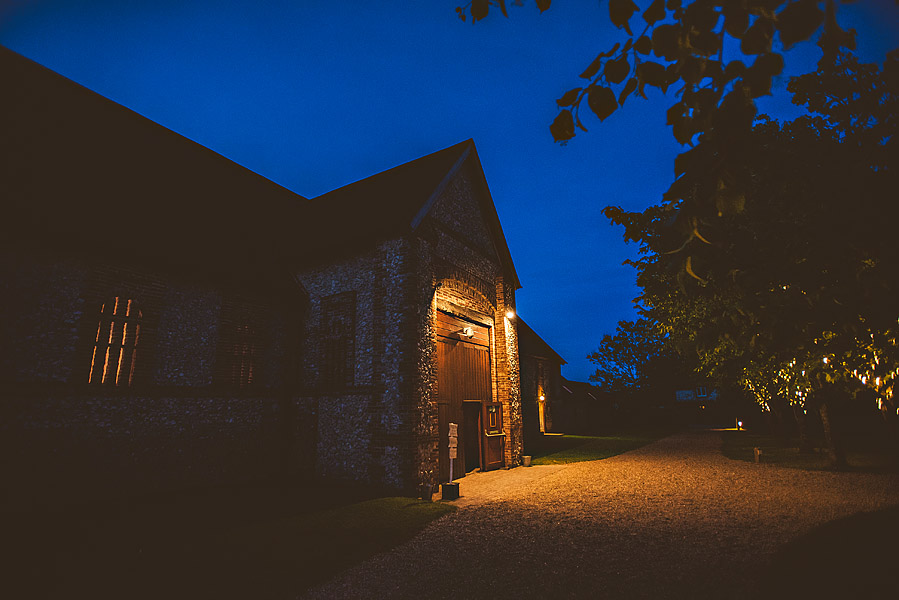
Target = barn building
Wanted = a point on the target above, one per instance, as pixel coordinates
(173, 319)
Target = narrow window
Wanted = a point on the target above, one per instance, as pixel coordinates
(541, 379)
(243, 356)
(338, 339)
(494, 418)
(115, 345)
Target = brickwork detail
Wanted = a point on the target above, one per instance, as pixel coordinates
(187, 336)
(176, 426)
(235, 382)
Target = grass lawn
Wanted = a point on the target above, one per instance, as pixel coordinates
(230, 543)
(848, 558)
(562, 449)
(861, 453)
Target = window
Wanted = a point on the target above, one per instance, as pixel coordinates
(541, 379)
(115, 346)
(242, 353)
(494, 419)
(338, 339)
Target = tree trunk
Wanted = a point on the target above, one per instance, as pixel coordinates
(890, 414)
(780, 407)
(805, 440)
(836, 456)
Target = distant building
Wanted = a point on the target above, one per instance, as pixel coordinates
(699, 394)
(541, 380)
(172, 319)
(702, 406)
(584, 408)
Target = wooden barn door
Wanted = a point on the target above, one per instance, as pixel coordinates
(463, 392)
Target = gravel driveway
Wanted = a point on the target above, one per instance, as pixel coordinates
(674, 519)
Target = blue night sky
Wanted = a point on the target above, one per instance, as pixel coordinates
(315, 95)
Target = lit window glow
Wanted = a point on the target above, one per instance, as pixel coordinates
(117, 350)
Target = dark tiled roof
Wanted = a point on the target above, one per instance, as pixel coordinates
(531, 344)
(392, 203)
(80, 170)
(384, 205)
(580, 388)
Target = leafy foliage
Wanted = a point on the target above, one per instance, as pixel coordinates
(636, 359)
(691, 46)
(683, 42)
(771, 259)
(800, 271)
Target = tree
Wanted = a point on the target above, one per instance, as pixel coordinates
(770, 258)
(798, 293)
(636, 361)
(718, 56)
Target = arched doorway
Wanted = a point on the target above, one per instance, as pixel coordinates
(464, 396)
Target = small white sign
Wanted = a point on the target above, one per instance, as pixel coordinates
(453, 451)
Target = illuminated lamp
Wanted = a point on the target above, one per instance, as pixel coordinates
(510, 314)
(542, 398)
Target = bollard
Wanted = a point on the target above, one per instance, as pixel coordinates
(758, 454)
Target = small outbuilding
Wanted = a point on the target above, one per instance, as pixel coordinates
(541, 384)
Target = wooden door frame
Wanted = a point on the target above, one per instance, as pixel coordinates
(480, 430)
(463, 316)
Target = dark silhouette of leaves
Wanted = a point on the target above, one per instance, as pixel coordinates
(691, 69)
(666, 41)
(616, 70)
(629, 87)
(591, 71)
(701, 16)
(758, 77)
(655, 12)
(780, 284)
(479, 9)
(798, 21)
(652, 73)
(569, 97)
(643, 45)
(733, 70)
(736, 19)
(757, 39)
(620, 12)
(562, 128)
(602, 101)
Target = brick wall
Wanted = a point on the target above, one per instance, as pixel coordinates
(459, 272)
(179, 423)
(365, 426)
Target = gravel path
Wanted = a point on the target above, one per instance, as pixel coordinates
(674, 519)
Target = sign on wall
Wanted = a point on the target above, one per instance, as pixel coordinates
(453, 445)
